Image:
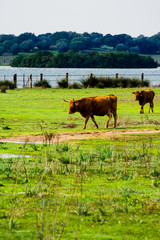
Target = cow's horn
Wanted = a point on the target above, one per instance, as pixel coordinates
(66, 100)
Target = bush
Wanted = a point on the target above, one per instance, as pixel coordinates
(42, 83)
(3, 89)
(85, 82)
(90, 82)
(75, 86)
(108, 82)
(62, 83)
(7, 84)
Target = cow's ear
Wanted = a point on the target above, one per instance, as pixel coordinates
(141, 92)
(133, 92)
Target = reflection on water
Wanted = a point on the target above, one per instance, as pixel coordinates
(10, 155)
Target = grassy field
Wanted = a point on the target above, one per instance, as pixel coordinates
(30, 111)
(82, 189)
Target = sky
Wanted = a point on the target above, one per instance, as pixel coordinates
(132, 17)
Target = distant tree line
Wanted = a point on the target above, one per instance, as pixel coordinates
(65, 41)
(72, 59)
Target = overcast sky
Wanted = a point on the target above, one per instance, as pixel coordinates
(133, 17)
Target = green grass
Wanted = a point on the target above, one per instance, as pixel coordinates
(84, 189)
(102, 190)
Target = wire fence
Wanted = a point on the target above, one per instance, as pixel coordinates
(28, 80)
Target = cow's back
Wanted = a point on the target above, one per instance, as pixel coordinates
(104, 105)
(148, 95)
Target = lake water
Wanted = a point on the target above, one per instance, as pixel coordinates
(75, 74)
(10, 155)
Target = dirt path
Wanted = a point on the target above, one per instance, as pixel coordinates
(64, 137)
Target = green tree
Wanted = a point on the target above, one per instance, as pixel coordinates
(120, 47)
(15, 49)
(26, 36)
(77, 45)
(27, 45)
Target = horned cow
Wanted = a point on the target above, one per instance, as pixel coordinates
(99, 106)
(145, 97)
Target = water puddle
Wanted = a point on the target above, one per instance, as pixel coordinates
(10, 155)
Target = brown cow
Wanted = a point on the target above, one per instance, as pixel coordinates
(99, 106)
(145, 97)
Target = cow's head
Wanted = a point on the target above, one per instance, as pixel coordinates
(138, 95)
(72, 106)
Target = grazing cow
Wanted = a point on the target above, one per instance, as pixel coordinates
(145, 97)
(99, 106)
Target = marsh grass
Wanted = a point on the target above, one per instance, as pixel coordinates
(75, 191)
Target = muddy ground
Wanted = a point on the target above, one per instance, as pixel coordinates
(65, 137)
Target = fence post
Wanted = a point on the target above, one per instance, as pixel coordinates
(23, 80)
(15, 80)
(41, 77)
(67, 78)
(30, 78)
(90, 79)
(116, 75)
(142, 77)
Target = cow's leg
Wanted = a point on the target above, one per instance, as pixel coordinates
(149, 107)
(142, 111)
(115, 119)
(85, 122)
(93, 119)
(109, 118)
(152, 106)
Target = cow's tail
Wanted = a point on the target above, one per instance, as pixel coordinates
(115, 103)
(114, 106)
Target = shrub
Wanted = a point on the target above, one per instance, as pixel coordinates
(3, 89)
(85, 82)
(90, 82)
(75, 86)
(62, 83)
(7, 84)
(100, 85)
(145, 83)
(108, 82)
(42, 83)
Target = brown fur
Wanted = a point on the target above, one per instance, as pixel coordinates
(99, 106)
(145, 97)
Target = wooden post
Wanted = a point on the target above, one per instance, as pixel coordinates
(142, 77)
(41, 77)
(23, 80)
(116, 75)
(67, 78)
(30, 78)
(15, 80)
